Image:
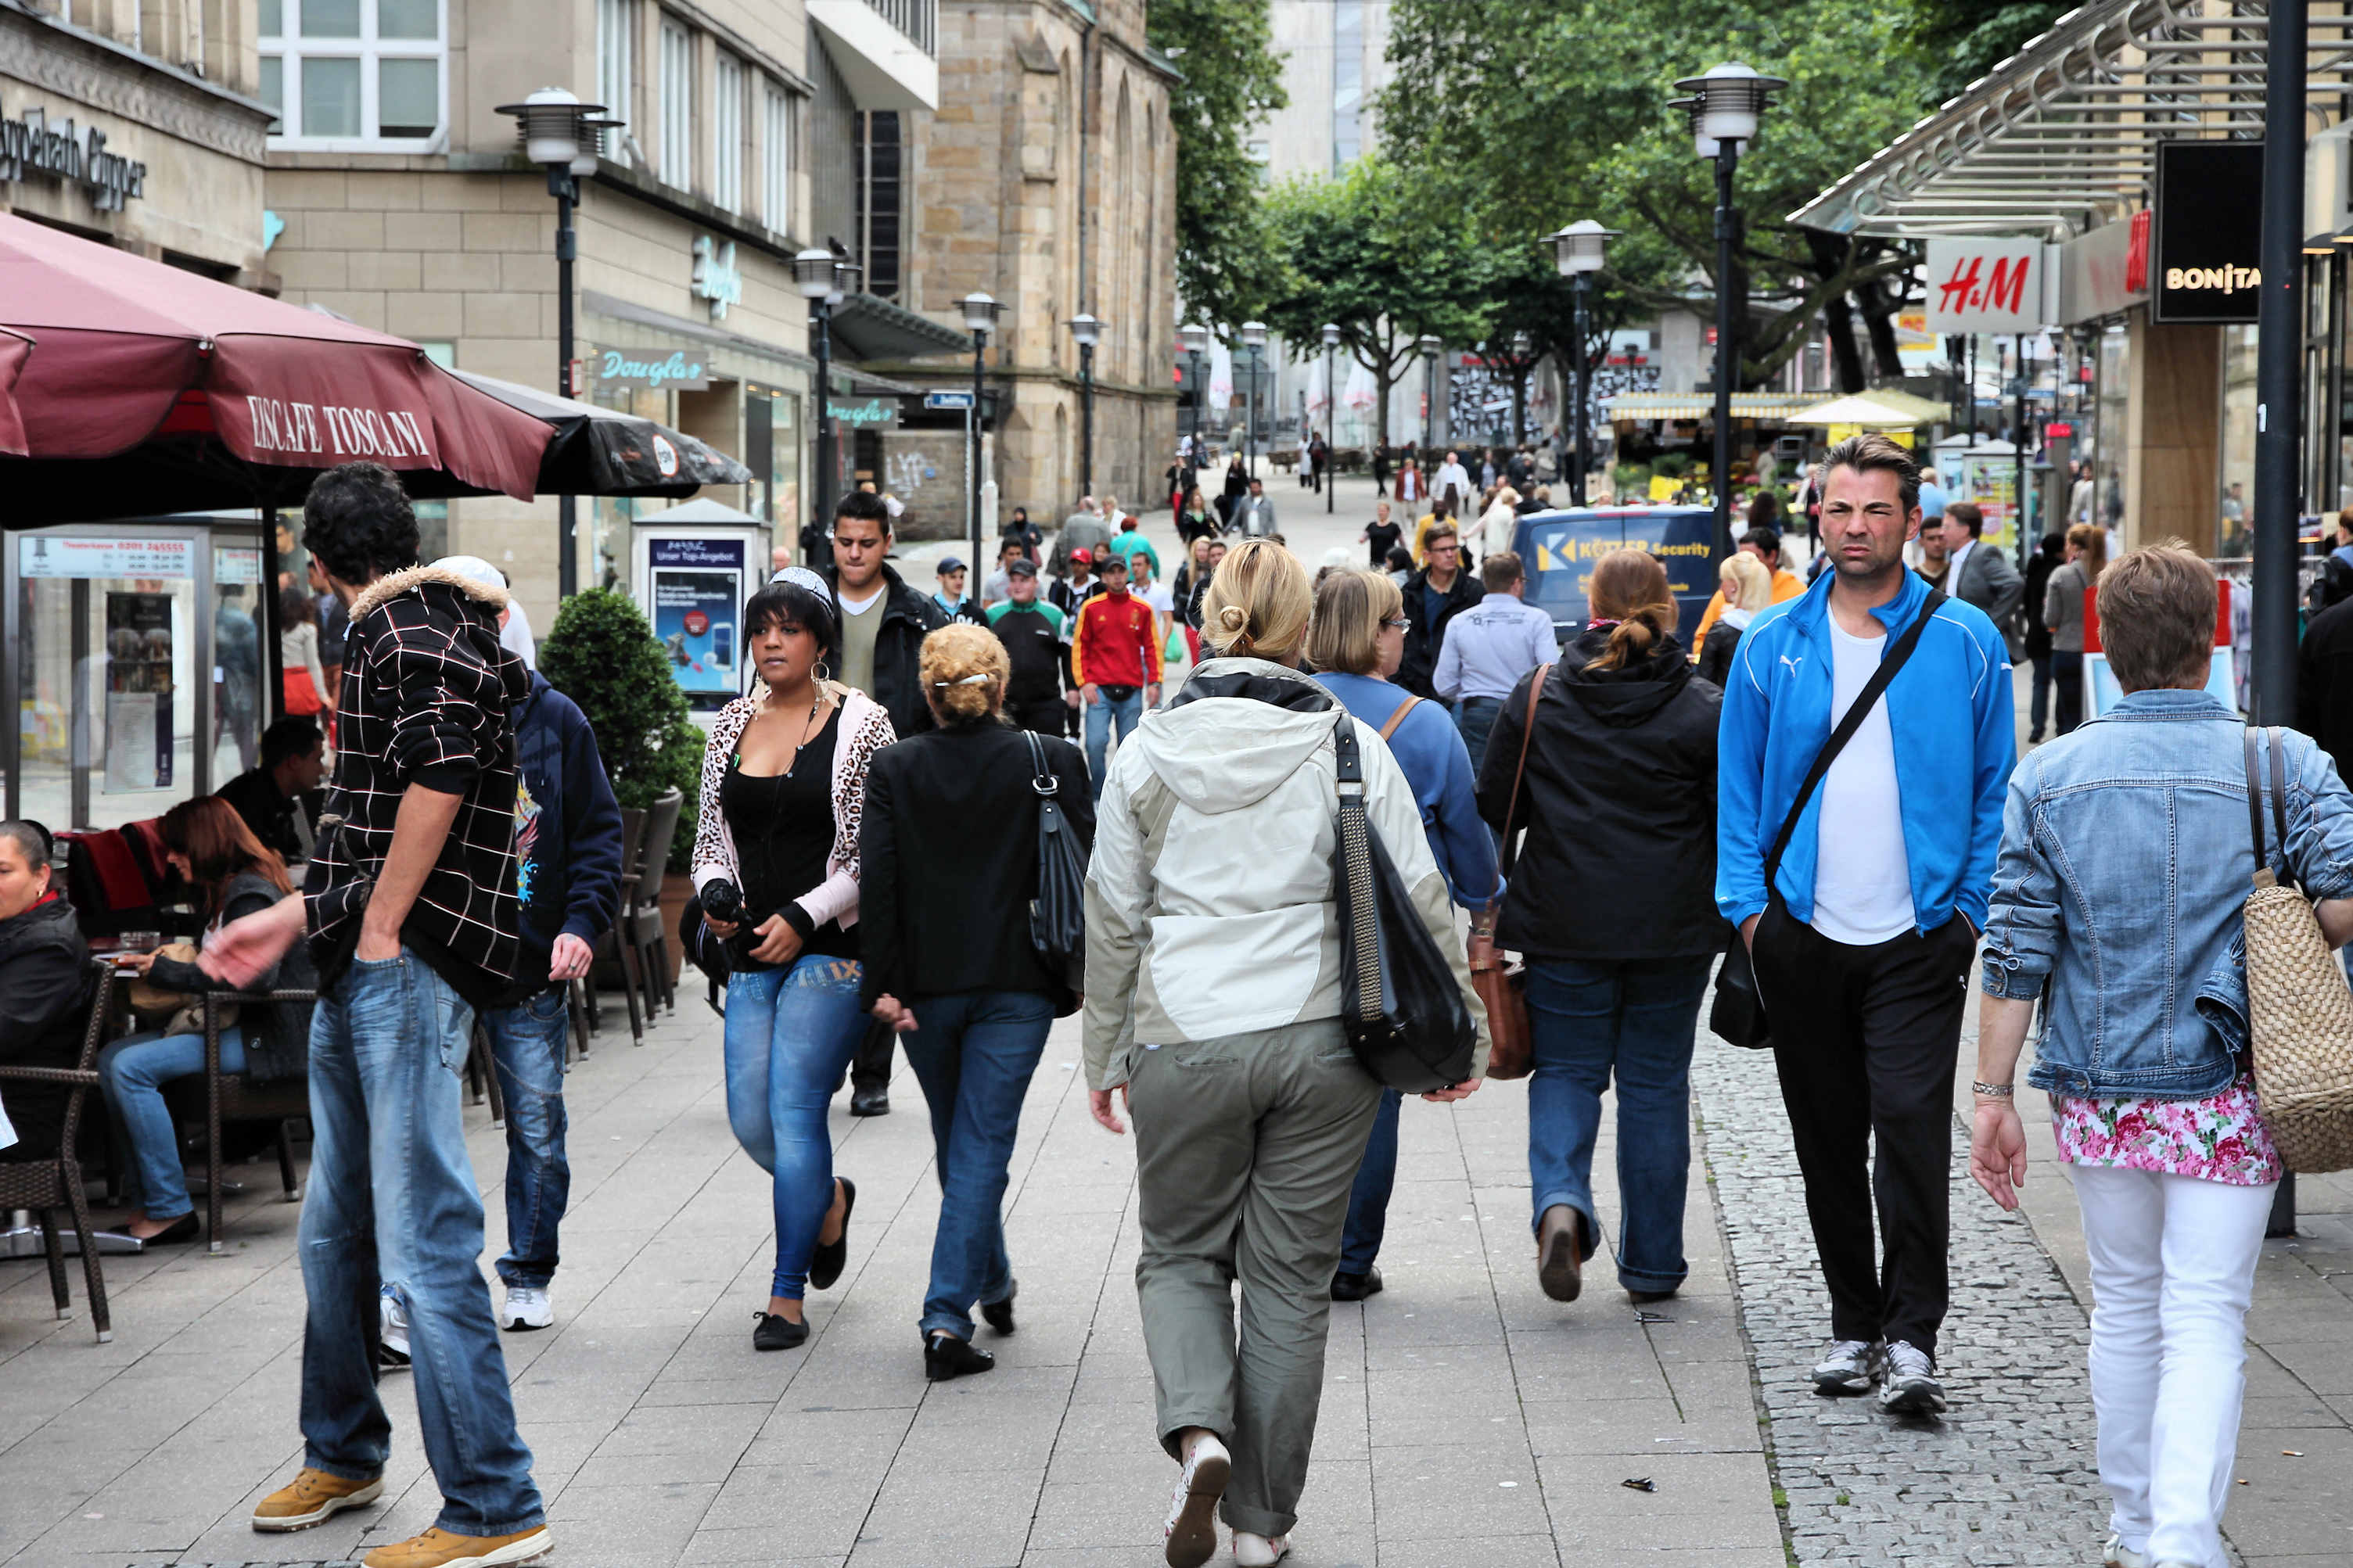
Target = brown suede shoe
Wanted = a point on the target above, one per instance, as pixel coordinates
(436, 1548)
(313, 1498)
(1559, 1249)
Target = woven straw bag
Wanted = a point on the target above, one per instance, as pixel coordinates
(2299, 1011)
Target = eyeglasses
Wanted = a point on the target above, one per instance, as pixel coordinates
(1398, 625)
(1446, 550)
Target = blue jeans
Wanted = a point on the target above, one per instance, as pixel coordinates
(1589, 1023)
(1475, 718)
(133, 1071)
(790, 1034)
(973, 1055)
(1102, 714)
(1368, 1200)
(393, 1200)
(527, 1044)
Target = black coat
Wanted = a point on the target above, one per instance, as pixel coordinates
(45, 976)
(2039, 568)
(2324, 687)
(947, 860)
(908, 618)
(1716, 651)
(1618, 802)
(1424, 637)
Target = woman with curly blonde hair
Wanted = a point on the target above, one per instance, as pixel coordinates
(949, 856)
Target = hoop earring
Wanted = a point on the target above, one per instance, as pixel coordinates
(820, 674)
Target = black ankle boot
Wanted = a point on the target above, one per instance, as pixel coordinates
(946, 1356)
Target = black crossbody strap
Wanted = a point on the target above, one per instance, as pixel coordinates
(1864, 702)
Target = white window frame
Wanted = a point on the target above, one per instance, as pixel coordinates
(777, 156)
(675, 142)
(616, 70)
(370, 51)
(727, 77)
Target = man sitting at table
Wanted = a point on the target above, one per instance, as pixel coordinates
(44, 989)
(293, 761)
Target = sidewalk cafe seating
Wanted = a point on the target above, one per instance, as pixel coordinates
(54, 1182)
(232, 1096)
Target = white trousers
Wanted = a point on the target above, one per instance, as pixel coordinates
(2173, 1269)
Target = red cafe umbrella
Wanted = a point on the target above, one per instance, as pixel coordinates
(136, 388)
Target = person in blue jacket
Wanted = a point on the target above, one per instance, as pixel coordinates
(1863, 940)
(1355, 643)
(568, 877)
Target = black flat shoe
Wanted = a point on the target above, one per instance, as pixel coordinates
(1559, 1252)
(1356, 1287)
(828, 1261)
(777, 1332)
(187, 1227)
(871, 1102)
(946, 1356)
(998, 1315)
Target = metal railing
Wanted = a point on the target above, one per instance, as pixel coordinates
(919, 19)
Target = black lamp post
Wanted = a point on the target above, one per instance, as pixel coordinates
(1195, 339)
(1577, 250)
(980, 319)
(1330, 418)
(1724, 105)
(560, 133)
(1088, 331)
(813, 276)
(1254, 340)
(1431, 346)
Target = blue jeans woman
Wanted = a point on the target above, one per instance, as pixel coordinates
(132, 1071)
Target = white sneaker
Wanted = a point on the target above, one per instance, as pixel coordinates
(527, 1308)
(1258, 1551)
(1845, 1368)
(1192, 1527)
(392, 1351)
(2114, 1553)
(1908, 1385)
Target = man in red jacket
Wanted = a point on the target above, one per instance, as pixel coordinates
(1115, 658)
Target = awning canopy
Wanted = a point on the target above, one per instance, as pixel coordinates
(1877, 411)
(603, 452)
(866, 326)
(2061, 136)
(1701, 405)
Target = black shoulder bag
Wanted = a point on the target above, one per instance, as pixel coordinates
(1737, 1014)
(1403, 1012)
(1057, 915)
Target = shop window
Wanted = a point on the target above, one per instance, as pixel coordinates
(677, 105)
(777, 160)
(727, 132)
(617, 64)
(358, 74)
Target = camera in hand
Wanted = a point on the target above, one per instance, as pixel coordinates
(722, 901)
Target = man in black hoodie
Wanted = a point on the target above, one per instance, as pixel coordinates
(883, 623)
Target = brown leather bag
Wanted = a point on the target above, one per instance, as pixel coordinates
(1503, 983)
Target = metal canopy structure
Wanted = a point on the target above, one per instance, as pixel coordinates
(2061, 136)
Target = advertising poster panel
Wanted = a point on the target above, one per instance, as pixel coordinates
(698, 597)
(138, 692)
(1560, 548)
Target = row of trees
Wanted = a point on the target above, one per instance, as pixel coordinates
(1504, 119)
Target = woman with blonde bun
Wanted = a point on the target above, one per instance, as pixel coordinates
(948, 850)
(1213, 1003)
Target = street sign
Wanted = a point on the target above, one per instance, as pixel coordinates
(947, 400)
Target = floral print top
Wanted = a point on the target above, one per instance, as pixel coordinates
(2220, 1137)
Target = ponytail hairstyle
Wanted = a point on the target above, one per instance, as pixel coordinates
(2090, 542)
(1630, 587)
(1258, 602)
(963, 669)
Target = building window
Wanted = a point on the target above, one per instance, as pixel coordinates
(727, 132)
(354, 74)
(617, 64)
(777, 160)
(878, 201)
(677, 105)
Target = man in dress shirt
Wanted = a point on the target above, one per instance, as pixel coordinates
(1489, 647)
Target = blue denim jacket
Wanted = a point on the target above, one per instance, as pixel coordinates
(2125, 859)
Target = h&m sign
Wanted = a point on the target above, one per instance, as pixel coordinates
(1990, 286)
(2209, 231)
(36, 144)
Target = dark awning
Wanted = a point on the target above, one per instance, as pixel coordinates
(605, 452)
(868, 327)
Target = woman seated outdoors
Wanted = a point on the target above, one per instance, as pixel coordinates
(232, 876)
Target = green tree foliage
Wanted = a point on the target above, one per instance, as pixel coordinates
(1233, 81)
(1532, 112)
(1363, 253)
(602, 654)
(1961, 40)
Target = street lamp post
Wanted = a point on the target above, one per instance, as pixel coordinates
(1195, 339)
(1724, 105)
(1431, 346)
(1330, 418)
(1254, 340)
(979, 318)
(813, 276)
(561, 135)
(1577, 250)
(1088, 331)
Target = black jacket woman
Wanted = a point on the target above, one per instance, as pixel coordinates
(949, 851)
(1611, 903)
(232, 874)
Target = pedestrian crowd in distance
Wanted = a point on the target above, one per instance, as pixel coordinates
(1813, 800)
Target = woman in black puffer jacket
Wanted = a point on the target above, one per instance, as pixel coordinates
(1612, 903)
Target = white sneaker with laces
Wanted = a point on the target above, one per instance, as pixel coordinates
(2114, 1553)
(527, 1307)
(1258, 1551)
(1908, 1385)
(1192, 1527)
(391, 1349)
(1845, 1368)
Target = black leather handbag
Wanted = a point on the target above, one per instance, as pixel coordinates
(1737, 1013)
(1400, 1005)
(1057, 913)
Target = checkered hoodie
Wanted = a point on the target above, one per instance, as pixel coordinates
(426, 698)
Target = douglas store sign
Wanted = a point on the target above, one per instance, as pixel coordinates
(2207, 231)
(650, 369)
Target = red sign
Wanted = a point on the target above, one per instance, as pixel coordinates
(697, 623)
(2136, 256)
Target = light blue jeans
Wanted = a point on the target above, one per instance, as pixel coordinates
(1102, 715)
(790, 1034)
(392, 1202)
(133, 1071)
(527, 1044)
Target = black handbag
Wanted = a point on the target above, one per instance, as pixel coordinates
(1737, 1013)
(1057, 913)
(1399, 1003)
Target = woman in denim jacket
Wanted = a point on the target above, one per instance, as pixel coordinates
(2125, 859)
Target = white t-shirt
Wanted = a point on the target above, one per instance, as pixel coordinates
(1862, 875)
(859, 607)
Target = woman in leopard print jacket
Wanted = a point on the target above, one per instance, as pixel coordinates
(775, 866)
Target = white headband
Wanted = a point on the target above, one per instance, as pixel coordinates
(802, 577)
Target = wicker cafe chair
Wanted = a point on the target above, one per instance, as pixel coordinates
(231, 1097)
(46, 1184)
(614, 943)
(641, 903)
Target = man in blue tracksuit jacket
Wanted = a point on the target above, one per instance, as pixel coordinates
(1863, 942)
